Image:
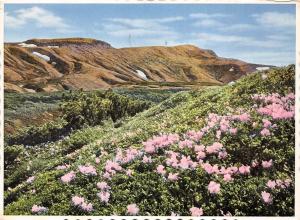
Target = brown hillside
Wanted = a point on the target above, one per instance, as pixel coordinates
(90, 64)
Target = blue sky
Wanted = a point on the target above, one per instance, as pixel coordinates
(257, 33)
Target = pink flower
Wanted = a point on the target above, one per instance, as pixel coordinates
(196, 211)
(186, 143)
(195, 136)
(267, 164)
(129, 172)
(87, 170)
(267, 123)
(201, 155)
(132, 209)
(173, 176)
(266, 197)
(68, 177)
(233, 130)
(147, 159)
(103, 186)
(77, 200)
(271, 184)
(213, 187)
(227, 178)
(149, 148)
(208, 168)
(38, 209)
(244, 169)
(87, 207)
(30, 179)
(218, 134)
(104, 196)
(185, 162)
(214, 148)
(199, 148)
(161, 169)
(97, 160)
(106, 175)
(265, 132)
(222, 155)
(234, 169)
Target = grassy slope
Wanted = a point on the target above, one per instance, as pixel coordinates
(22, 110)
(182, 112)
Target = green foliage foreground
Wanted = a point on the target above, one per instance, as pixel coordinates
(153, 192)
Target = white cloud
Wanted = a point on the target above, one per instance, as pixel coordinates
(37, 16)
(275, 19)
(238, 27)
(237, 40)
(278, 58)
(206, 15)
(122, 27)
(208, 22)
(221, 37)
(139, 32)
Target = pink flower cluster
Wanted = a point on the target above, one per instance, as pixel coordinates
(185, 162)
(62, 167)
(173, 176)
(104, 196)
(194, 135)
(68, 177)
(267, 164)
(213, 187)
(272, 184)
(111, 168)
(196, 211)
(223, 123)
(276, 106)
(214, 148)
(130, 154)
(80, 202)
(151, 145)
(185, 143)
(38, 209)
(147, 159)
(267, 198)
(87, 170)
(133, 209)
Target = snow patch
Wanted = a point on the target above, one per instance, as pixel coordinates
(53, 46)
(44, 57)
(262, 68)
(141, 74)
(27, 45)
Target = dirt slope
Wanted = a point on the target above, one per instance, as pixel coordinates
(57, 64)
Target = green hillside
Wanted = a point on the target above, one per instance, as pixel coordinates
(225, 150)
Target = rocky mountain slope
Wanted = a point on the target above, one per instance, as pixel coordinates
(59, 64)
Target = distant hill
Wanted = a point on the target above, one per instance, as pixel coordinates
(71, 63)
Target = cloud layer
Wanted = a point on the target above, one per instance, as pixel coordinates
(37, 16)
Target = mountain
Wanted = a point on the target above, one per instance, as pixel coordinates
(71, 63)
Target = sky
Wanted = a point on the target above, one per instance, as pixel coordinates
(256, 33)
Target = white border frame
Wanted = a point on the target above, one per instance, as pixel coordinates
(297, 103)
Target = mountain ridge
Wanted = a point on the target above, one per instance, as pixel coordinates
(58, 64)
